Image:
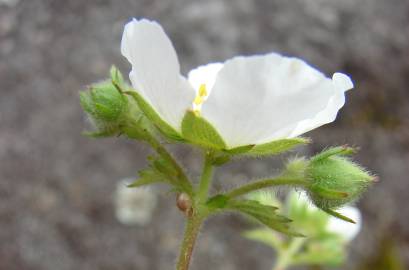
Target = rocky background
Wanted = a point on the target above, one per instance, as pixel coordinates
(56, 186)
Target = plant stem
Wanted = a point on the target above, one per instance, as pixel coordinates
(161, 150)
(191, 232)
(278, 181)
(206, 179)
(199, 213)
(285, 256)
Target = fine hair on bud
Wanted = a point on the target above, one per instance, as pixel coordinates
(335, 180)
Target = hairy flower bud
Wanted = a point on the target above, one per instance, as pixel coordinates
(112, 111)
(334, 179)
(104, 102)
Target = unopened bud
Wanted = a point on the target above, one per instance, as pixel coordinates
(334, 179)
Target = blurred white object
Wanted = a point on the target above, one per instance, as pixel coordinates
(347, 230)
(134, 206)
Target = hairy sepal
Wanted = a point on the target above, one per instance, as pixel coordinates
(198, 130)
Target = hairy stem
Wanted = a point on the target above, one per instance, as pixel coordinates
(199, 213)
(278, 181)
(193, 225)
(284, 256)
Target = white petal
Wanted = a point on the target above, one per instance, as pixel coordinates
(205, 74)
(155, 70)
(261, 98)
(342, 83)
(345, 229)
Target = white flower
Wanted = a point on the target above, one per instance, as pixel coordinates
(248, 99)
(133, 206)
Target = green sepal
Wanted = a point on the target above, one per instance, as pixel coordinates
(116, 76)
(86, 102)
(199, 131)
(108, 103)
(338, 150)
(164, 127)
(276, 147)
(265, 214)
(240, 150)
(329, 193)
(339, 215)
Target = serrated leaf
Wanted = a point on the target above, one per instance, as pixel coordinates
(265, 214)
(164, 127)
(197, 130)
(164, 167)
(147, 177)
(276, 147)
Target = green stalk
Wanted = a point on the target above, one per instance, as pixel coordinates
(206, 179)
(278, 181)
(285, 256)
(199, 213)
(191, 232)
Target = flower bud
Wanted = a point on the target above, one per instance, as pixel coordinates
(334, 179)
(104, 102)
(112, 111)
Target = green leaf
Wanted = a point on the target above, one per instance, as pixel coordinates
(160, 171)
(276, 147)
(265, 214)
(217, 202)
(164, 127)
(197, 130)
(147, 177)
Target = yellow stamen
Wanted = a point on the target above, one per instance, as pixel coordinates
(202, 93)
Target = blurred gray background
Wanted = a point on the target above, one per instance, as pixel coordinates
(56, 186)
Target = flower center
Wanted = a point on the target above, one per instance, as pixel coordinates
(199, 99)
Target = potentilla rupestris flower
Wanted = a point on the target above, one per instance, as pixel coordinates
(249, 100)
